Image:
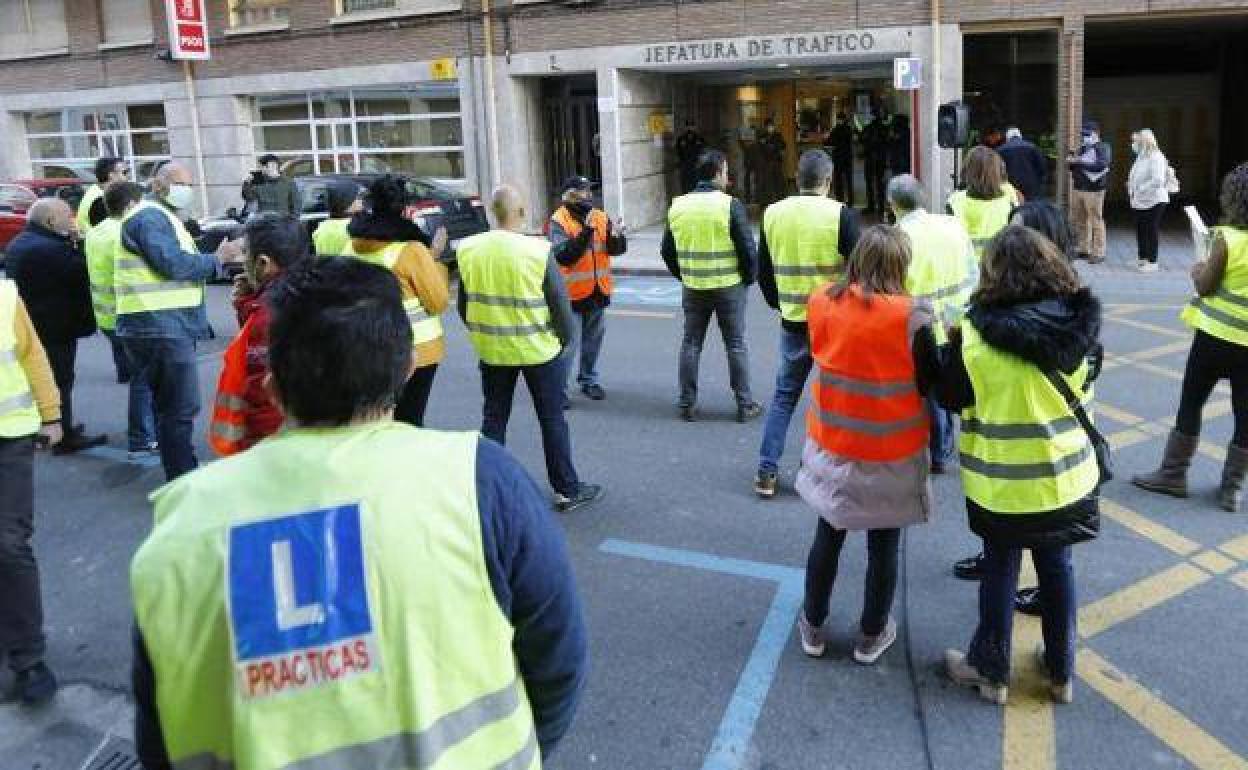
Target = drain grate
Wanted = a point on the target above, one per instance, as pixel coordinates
(117, 754)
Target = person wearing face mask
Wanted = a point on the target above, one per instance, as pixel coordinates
(1147, 190)
(159, 286)
(274, 192)
(1089, 171)
(583, 241)
(51, 276)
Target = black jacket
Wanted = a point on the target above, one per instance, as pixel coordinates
(51, 276)
(1053, 333)
(1026, 167)
(378, 227)
(1090, 170)
(739, 230)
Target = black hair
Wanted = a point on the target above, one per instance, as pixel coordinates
(1050, 221)
(279, 237)
(1234, 198)
(340, 344)
(269, 158)
(340, 194)
(814, 169)
(104, 167)
(710, 163)
(387, 196)
(119, 195)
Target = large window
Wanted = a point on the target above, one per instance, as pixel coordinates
(414, 131)
(257, 13)
(32, 27)
(126, 21)
(66, 143)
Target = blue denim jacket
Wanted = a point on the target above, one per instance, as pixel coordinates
(149, 235)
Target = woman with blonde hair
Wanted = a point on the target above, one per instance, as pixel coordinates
(865, 465)
(985, 205)
(1148, 191)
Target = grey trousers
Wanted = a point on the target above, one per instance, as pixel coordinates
(728, 307)
(21, 605)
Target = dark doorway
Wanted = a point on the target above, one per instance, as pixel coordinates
(570, 113)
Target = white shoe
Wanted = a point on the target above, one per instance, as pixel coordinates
(1061, 693)
(965, 674)
(869, 648)
(813, 642)
(1148, 267)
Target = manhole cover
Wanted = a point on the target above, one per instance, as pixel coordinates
(117, 754)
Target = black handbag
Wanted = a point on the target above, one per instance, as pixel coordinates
(1100, 445)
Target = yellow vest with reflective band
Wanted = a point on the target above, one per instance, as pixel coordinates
(1224, 314)
(139, 288)
(507, 316)
(330, 238)
(322, 601)
(18, 414)
(1022, 451)
(101, 246)
(944, 268)
(803, 233)
(425, 327)
(983, 219)
(93, 194)
(700, 224)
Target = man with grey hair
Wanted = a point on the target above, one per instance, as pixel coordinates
(943, 270)
(1025, 165)
(806, 239)
(51, 277)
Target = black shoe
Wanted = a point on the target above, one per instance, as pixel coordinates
(938, 468)
(594, 392)
(35, 685)
(586, 494)
(747, 412)
(686, 413)
(1027, 601)
(77, 441)
(969, 569)
(1082, 255)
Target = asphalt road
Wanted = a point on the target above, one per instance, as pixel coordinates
(691, 585)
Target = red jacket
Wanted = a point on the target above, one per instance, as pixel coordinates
(237, 425)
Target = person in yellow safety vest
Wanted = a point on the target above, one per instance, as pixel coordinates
(944, 270)
(344, 200)
(583, 240)
(30, 412)
(159, 285)
(353, 592)
(1018, 369)
(805, 241)
(382, 234)
(1219, 316)
(989, 199)
(101, 246)
(514, 303)
(709, 247)
(107, 171)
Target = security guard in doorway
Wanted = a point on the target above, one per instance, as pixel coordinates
(282, 619)
(805, 241)
(583, 241)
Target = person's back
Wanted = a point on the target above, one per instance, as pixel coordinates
(943, 266)
(1025, 165)
(700, 225)
(803, 239)
(507, 316)
(100, 247)
(51, 276)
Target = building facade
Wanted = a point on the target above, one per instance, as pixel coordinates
(530, 91)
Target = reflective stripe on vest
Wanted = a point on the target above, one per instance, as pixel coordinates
(100, 247)
(865, 404)
(139, 288)
(1022, 451)
(413, 664)
(227, 430)
(1224, 314)
(18, 413)
(983, 219)
(594, 266)
(803, 237)
(83, 216)
(701, 228)
(507, 316)
(944, 267)
(425, 327)
(331, 239)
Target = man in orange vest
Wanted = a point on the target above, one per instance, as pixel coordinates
(583, 241)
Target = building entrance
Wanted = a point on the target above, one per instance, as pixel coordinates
(570, 121)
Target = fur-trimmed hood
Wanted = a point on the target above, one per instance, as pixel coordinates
(1052, 334)
(366, 226)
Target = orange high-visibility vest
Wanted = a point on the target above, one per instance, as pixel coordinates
(594, 266)
(228, 430)
(866, 405)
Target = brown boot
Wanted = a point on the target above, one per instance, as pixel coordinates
(1171, 477)
(1231, 494)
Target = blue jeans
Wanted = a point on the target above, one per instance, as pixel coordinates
(141, 421)
(591, 328)
(795, 365)
(546, 387)
(989, 652)
(941, 439)
(168, 366)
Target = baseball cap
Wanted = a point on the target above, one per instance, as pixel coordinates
(575, 183)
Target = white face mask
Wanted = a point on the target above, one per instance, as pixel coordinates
(180, 196)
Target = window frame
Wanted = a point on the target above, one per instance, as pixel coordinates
(122, 138)
(31, 52)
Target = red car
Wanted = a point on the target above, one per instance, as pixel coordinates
(16, 198)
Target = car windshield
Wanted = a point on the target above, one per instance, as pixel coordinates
(420, 189)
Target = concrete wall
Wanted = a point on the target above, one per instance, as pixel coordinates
(641, 175)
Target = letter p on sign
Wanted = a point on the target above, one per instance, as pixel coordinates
(907, 74)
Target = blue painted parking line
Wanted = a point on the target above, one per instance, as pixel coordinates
(647, 291)
(729, 749)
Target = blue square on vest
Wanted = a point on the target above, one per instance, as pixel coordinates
(297, 582)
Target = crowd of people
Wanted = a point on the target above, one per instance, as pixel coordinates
(294, 565)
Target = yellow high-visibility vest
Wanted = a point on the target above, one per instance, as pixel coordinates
(701, 227)
(101, 246)
(93, 194)
(425, 327)
(330, 238)
(1224, 314)
(507, 316)
(138, 287)
(944, 268)
(803, 236)
(19, 416)
(983, 219)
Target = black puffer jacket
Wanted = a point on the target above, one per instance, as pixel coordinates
(1054, 333)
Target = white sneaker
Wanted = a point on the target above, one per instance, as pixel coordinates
(963, 673)
(869, 648)
(813, 642)
(1148, 267)
(1061, 693)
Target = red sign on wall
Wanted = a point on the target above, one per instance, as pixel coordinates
(188, 29)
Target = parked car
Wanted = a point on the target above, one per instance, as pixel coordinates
(16, 199)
